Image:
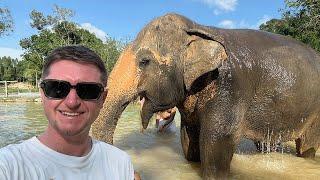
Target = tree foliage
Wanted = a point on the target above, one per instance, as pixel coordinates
(8, 68)
(57, 30)
(6, 21)
(300, 20)
(40, 21)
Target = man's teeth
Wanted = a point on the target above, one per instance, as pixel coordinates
(70, 114)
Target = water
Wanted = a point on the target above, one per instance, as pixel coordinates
(159, 156)
(20, 121)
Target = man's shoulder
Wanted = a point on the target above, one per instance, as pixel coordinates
(13, 151)
(110, 149)
(10, 150)
(11, 155)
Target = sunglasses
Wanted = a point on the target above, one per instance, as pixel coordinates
(58, 89)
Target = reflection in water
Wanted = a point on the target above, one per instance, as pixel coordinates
(159, 156)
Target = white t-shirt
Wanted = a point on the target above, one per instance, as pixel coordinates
(32, 160)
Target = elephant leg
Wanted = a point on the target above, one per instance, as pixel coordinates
(308, 143)
(217, 146)
(259, 146)
(263, 147)
(303, 150)
(216, 156)
(190, 142)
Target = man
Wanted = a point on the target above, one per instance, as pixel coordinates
(165, 121)
(72, 92)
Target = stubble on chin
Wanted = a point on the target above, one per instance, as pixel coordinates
(84, 130)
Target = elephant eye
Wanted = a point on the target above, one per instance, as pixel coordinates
(144, 62)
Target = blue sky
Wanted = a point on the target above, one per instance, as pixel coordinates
(123, 19)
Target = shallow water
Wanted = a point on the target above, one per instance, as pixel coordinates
(20, 121)
(159, 156)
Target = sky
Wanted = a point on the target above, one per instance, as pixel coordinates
(123, 19)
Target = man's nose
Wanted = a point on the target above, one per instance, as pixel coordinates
(73, 100)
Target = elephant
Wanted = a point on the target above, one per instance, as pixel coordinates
(227, 84)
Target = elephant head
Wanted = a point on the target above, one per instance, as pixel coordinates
(165, 63)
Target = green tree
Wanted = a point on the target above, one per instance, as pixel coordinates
(8, 67)
(111, 51)
(20, 71)
(40, 21)
(55, 31)
(300, 20)
(6, 21)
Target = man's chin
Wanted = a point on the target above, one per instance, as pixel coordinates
(72, 132)
(66, 130)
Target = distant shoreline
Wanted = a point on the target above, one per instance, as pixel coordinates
(19, 99)
(33, 97)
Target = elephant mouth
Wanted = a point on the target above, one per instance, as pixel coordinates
(163, 107)
(155, 104)
(150, 106)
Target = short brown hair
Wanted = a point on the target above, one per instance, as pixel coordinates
(77, 53)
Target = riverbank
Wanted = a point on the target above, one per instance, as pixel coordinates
(19, 92)
(21, 97)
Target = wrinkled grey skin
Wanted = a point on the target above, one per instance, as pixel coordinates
(227, 84)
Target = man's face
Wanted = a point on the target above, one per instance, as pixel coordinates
(72, 115)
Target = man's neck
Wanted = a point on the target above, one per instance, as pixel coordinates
(79, 145)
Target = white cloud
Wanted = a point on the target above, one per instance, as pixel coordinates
(227, 24)
(225, 5)
(13, 53)
(262, 20)
(98, 32)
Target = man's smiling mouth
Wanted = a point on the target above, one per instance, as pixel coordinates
(70, 114)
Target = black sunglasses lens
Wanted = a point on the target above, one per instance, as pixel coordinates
(56, 89)
(87, 91)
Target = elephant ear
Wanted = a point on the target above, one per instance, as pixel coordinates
(204, 53)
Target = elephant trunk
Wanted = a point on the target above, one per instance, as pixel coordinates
(104, 126)
(146, 113)
(122, 89)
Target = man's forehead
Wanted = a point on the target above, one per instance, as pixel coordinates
(65, 64)
(74, 69)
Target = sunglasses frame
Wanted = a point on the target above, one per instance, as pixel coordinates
(43, 84)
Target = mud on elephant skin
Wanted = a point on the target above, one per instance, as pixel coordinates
(227, 84)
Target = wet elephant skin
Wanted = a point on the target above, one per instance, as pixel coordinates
(227, 84)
